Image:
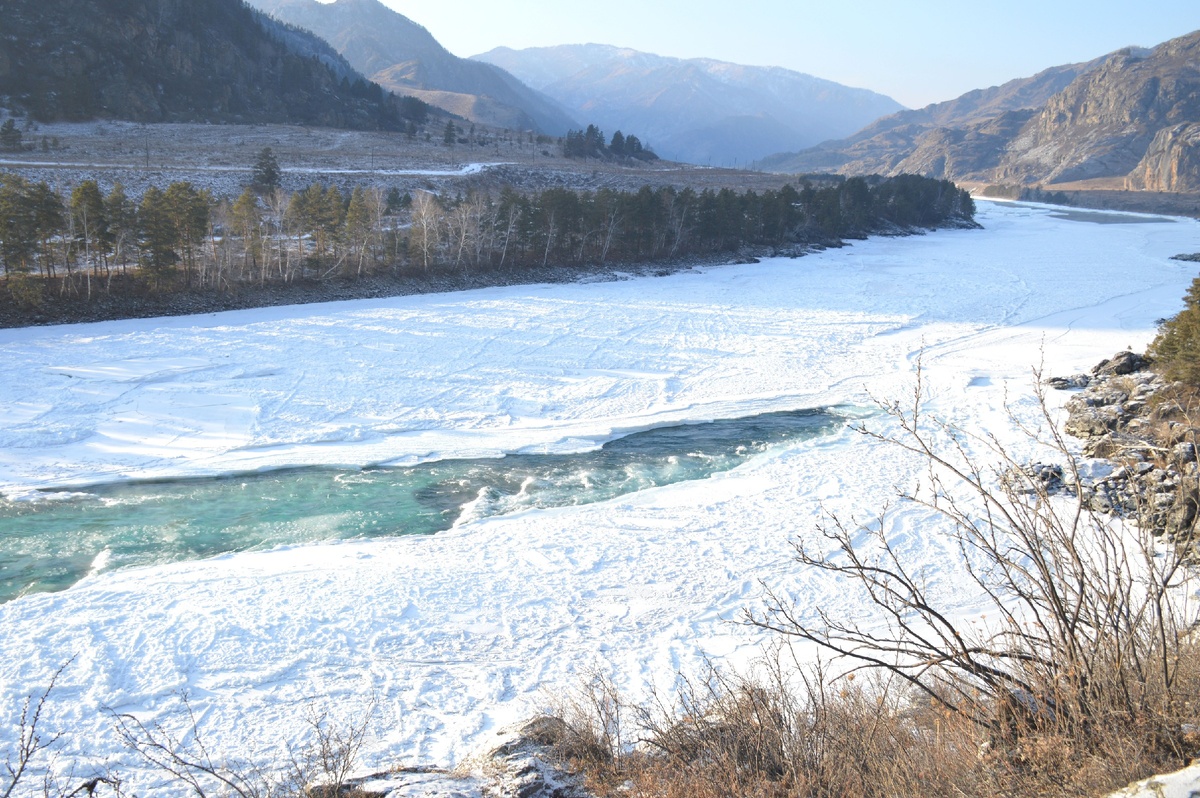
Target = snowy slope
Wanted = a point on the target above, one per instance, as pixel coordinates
(463, 632)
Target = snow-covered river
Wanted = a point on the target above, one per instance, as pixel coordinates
(456, 633)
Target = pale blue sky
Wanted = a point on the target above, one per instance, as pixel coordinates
(918, 52)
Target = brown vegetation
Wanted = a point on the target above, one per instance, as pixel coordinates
(1084, 676)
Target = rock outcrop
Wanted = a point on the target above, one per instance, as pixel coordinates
(1123, 416)
(518, 763)
(1132, 116)
(1172, 163)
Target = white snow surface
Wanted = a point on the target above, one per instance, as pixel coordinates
(460, 633)
(463, 171)
(1183, 783)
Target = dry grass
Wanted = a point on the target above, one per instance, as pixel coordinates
(1085, 677)
(791, 732)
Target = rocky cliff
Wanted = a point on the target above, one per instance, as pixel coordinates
(882, 145)
(1131, 116)
(1172, 162)
(1105, 121)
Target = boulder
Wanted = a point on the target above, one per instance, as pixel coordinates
(1120, 364)
(519, 762)
(1040, 478)
(1093, 422)
(1184, 452)
(1067, 383)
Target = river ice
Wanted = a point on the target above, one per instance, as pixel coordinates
(456, 634)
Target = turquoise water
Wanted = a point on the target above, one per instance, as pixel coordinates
(50, 544)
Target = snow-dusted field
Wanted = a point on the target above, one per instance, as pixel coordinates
(459, 633)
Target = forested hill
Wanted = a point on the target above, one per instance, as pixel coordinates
(179, 60)
(401, 55)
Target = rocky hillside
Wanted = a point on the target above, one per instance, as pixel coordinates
(1130, 117)
(178, 60)
(697, 110)
(404, 57)
(968, 132)
(1103, 124)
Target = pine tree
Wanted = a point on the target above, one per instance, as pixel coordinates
(18, 225)
(1176, 349)
(266, 176)
(49, 215)
(246, 218)
(617, 145)
(358, 227)
(157, 236)
(189, 211)
(10, 136)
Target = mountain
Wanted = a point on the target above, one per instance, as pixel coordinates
(696, 110)
(179, 60)
(967, 131)
(1130, 119)
(1104, 123)
(402, 56)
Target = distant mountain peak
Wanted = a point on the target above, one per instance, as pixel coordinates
(403, 56)
(697, 109)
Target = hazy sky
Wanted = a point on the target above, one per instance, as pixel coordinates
(917, 51)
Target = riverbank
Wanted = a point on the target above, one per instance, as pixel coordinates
(133, 299)
(139, 303)
(443, 639)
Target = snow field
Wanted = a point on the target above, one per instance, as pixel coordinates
(457, 634)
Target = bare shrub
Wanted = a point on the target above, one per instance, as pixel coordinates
(26, 774)
(790, 730)
(321, 767)
(591, 731)
(1083, 675)
(1086, 648)
(185, 758)
(30, 741)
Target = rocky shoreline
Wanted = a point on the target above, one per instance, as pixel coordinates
(1130, 417)
(521, 761)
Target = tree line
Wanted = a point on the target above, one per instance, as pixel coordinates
(183, 238)
(591, 143)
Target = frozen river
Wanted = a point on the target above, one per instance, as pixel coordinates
(456, 633)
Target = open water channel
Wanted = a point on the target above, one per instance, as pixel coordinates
(51, 543)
